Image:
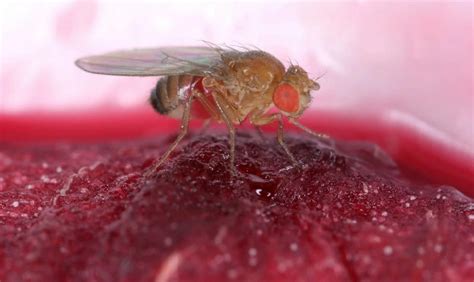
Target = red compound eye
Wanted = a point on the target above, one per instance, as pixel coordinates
(286, 98)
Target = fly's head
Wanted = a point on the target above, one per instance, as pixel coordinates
(292, 96)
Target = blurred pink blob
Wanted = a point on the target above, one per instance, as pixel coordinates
(75, 20)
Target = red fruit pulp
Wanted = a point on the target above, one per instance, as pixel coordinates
(434, 160)
(87, 213)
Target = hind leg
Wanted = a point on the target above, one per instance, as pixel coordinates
(182, 132)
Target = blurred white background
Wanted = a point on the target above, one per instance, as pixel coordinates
(408, 62)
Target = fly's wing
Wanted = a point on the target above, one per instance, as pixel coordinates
(154, 61)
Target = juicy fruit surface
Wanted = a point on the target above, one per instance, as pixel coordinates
(86, 212)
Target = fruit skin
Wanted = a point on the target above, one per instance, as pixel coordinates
(84, 212)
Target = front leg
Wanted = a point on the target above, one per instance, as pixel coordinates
(260, 119)
(306, 129)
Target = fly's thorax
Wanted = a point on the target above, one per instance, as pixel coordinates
(253, 71)
(247, 81)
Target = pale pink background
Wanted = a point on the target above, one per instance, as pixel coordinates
(405, 62)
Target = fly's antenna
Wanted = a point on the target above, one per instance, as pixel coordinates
(318, 77)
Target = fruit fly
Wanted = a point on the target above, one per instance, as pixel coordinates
(226, 85)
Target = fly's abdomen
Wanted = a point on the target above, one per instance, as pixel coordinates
(168, 96)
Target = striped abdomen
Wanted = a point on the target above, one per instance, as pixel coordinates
(170, 92)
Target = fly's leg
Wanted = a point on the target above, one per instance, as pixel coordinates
(282, 141)
(205, 126)
(260, 119)
(210, 108)
(182, 132)
(231, 128)
(208, 105)
(258, 127)
(306, 129)
(260, 132)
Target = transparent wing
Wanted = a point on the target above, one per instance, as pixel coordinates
(153, 61)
